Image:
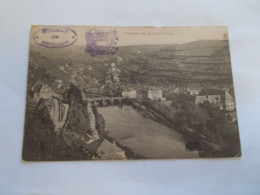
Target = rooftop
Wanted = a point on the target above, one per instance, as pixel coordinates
(212, 91)
(101, 146)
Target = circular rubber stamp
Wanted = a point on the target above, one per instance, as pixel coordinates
(55, 37)
(101, 43)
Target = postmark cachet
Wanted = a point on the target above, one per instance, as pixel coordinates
(101, 42)
(55, 37)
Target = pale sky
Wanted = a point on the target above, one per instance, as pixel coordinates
(147, 35)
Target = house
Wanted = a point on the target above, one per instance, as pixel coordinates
(61, 68)
(229, 102)
(103, 149)
(126, 93)
(232, 117)
(180, 90)
(213, 99)
(212, 91)
(41, 90)
(115, 77)
(113, 67)
(114, 73)
(109, 151)
(193, 91)
(155, 94)
(151, 94)
(130, 93)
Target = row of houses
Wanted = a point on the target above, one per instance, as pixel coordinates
(220, 98)
(151, 94)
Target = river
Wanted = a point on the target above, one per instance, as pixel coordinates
(143, 135)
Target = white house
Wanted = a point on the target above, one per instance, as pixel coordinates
(113, 66)
(61, 68)
(193, 91)
(129, 93)
(229, 101)
(155, 94)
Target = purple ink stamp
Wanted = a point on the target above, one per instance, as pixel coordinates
(55, 37)
(101, 43)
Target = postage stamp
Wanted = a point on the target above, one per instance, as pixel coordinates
(55, 37)
(100, 42)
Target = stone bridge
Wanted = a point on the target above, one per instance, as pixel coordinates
(106, 101)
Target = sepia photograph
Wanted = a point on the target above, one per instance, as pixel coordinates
(126, 93)
(133, 97)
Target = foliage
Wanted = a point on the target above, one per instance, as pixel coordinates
(40, 140)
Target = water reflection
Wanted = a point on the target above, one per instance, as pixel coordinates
(143, 135)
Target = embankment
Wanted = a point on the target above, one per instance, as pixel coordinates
(101, 127)
(193, 140)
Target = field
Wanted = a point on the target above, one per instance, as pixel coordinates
(199, 62)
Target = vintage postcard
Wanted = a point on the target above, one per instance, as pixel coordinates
(121, 93)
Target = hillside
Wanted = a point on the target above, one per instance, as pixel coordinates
(43, 68)
(200, 61)
(195, 62)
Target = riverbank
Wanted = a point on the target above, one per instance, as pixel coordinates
(142, 135)
(193, 140)
(104, 133)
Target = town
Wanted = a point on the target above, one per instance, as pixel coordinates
(166, 102)
(120, 107)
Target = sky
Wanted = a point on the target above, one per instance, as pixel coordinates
(131, 35)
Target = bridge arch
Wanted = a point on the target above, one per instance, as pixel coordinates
(115, 101)
(107, 102)
(98, 102)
